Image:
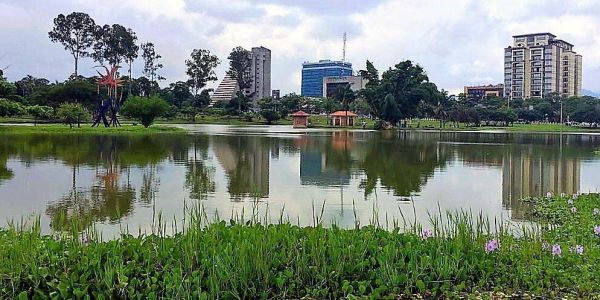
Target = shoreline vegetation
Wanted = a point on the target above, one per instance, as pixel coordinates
(87, 129)
(164, 125)
(459, 255)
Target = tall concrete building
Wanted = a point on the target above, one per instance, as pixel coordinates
(260, 69)
(538, 64)
(259, 73)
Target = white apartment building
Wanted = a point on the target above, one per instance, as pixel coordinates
(539, 64)
(260, 73)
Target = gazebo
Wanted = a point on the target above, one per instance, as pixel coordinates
(300, 119)
(343, 118)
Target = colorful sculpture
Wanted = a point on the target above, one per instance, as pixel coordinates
(112, 82)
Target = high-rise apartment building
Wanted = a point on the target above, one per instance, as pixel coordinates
(539, 64)
(260, 72)
(314, 72)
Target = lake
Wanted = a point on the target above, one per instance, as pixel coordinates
(118, 182)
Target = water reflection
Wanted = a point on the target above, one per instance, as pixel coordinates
(116, 179)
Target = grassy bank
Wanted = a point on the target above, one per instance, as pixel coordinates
(549, 128)
(87, 129)
(244, 259)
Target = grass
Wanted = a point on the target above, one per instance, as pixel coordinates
(87, 129)
(249, 259)
(545, 128)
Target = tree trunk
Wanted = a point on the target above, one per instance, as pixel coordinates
(76, 60)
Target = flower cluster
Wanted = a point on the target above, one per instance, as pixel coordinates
(556, 251)
(597, 230)
(426, 234)
(596, 211)
(492, 245)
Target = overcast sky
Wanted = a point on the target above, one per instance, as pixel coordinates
(458, 42)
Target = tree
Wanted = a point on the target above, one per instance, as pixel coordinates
(40, 112)
(269, 109)
(345, 95)
(390, 111)
(373, 92)
(6, 88)
(114, 44)
(177, 94)
(239, 69)
(29, 85)
(131, 52)
(200, 69)
(145, 110)
(76, 32)
(290, 103)
(151, 64)
(71, 113)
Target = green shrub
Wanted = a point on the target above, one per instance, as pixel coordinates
(10, 108)
(379, 125)
(145, 109)
(72, 113)
(40, 112)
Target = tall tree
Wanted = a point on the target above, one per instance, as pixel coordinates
(76, 32)
(201, 69)
(131, 52)
(239, 69)
(151, 64)
(113, 44)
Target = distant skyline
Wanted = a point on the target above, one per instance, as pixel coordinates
(457, 42)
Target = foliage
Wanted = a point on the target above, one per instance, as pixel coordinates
(10, 108)
(40, 112)
(76, 91)
(269, 109)
(145, 109)
(460, 255)
(151, 62)
(114, 44)
(200, 69)
(30, 85)
(76, 32)
(71, 113)
(6, 88)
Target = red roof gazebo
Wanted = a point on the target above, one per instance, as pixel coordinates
(300, 119)
(343, 118)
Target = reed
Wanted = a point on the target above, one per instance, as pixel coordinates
(459, 254)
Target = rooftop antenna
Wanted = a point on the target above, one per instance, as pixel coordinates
(344, 48)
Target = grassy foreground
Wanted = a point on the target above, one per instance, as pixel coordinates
(87, 129)
(461, 256)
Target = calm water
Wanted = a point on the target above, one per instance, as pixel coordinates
(118, 181)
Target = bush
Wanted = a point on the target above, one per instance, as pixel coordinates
(145, 109)
(248, 117)
(379, 125)
(40, 112)
(270, 115)
(72, 113)
(10, 108)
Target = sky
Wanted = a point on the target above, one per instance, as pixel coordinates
(458, 42)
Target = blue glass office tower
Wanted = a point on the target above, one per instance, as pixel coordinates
(313, 74)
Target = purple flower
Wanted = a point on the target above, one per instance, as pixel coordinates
(597, 230)
(573, 209)
(427, 233)
(575, 196)
(570, 202)
(549, 195)
(596, 211)
(562, 195)
(545, 246)
(492, 245)
(579, 249)
(556, 251)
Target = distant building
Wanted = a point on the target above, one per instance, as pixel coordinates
(260, 74)
(539, 64)
(483, 91)
(314, 72)
(276, 95)
(331, 83)
(225, 91)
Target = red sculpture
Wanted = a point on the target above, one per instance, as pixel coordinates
(112, 82)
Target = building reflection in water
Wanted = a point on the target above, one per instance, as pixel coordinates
(525, 175)
(245, 159)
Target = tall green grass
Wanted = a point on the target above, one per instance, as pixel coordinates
(250, 257)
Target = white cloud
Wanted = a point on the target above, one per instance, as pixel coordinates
(458, 42)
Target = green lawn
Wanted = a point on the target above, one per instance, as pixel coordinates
(87, 129)
(460, 256)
